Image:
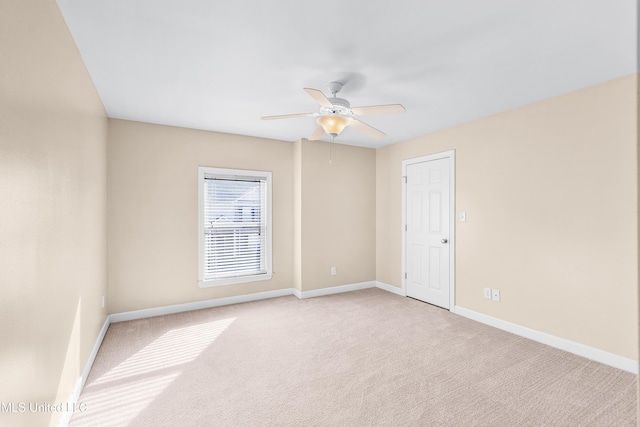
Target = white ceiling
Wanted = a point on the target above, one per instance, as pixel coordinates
(221, 65)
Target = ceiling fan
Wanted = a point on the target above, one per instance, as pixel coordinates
(336, 114)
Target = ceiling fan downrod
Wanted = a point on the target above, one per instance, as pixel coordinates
(334, 88)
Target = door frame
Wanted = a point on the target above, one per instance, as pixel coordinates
(451, 155)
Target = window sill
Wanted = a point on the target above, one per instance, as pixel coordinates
(233, 280)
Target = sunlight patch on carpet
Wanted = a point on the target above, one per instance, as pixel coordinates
(122, 393)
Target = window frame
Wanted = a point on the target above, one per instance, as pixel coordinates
(223, 173)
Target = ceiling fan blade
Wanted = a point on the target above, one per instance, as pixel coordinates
(317, 134)
(288, 116)
(379, 109)
(367, 129)
(319, 97)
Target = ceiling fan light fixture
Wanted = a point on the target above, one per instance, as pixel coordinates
(336, 114)
(334, 124)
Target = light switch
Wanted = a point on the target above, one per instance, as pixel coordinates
(463, 216)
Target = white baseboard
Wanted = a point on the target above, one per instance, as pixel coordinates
(334, 290)
(197, 305)
(77, 389)
(390, 288)
(591, 353)
(218, 302)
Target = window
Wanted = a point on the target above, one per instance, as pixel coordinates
(235, 226)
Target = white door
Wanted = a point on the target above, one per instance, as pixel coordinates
(427, 232)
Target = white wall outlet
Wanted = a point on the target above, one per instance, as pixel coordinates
(102, 301)
(487, 293)
(333, 271)
(495, 295)
(463, 216)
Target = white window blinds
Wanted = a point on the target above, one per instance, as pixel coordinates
(235, 226)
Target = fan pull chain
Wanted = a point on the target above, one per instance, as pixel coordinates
(330, 148)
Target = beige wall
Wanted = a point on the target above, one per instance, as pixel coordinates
(153, 211)
(337, 214)
(297, 215)
(324, 214)
(53, 218)
(550, 192)
(638, 188)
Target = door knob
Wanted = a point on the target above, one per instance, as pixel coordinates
(444, 241)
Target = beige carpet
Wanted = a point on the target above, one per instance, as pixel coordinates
(354, 359)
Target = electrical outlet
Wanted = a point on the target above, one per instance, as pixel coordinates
(495, 295)
(333, 271)
(487, 293)
(102, 301)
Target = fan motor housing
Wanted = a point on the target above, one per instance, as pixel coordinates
(340, 105)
